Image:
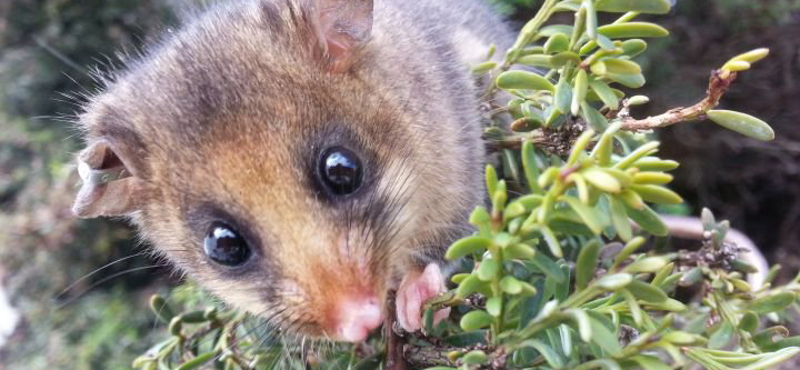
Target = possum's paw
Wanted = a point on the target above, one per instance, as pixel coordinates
(416, 288)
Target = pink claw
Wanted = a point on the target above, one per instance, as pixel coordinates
(414, 290)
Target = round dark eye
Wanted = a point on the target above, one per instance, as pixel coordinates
(225, 246)
(340, 169)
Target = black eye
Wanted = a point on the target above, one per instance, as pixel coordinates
(340, 169)
(225, 246)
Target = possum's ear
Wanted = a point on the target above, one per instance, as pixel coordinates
(110, 187)
(343, 27)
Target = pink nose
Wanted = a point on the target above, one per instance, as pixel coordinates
(357, 318)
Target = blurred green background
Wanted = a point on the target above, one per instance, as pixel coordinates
(48, 49)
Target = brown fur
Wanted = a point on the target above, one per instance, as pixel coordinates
(227, 117)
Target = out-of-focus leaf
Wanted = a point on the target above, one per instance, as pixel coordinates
(744, 124)
(641, 6)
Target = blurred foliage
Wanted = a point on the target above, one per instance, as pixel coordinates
(48, 47)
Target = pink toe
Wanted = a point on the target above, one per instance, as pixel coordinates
(414, 290)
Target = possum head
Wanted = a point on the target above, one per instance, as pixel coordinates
(288, 158)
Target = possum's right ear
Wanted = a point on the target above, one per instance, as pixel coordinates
(110, 186)
(343, 27)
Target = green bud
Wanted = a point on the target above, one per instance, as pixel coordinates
(638, 100)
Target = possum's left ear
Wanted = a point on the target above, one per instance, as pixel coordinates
(110, 186)
(343, 26)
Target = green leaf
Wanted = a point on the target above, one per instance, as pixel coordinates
(633, 30)
(582, 322)
(773, 303)
(641, 6)
(604, 338)
(537, 60)
(614, 282)
(602, 180)
(553, 29)
(652, 178)
(650, 363)
(668, 305)
(491, 180)
(580, 88)
(751, 56)
(475, 357)
(749, 322)
(551, 240)
(586, 264)
(647, 292)
(479, 216)
(488, 269)
(591, 18)
(682, 338)
(773, 359)
(618, 66)
(563, 97)
(471, 285)
(605, 93)
(596, 120)
(548, 267)
(198, 361)
(721, 337)
(561, 59)
(648, 220)
(619, 218)
(634, 81)
(475, 320)
(510, 285)
(530, 167)
(744, 124)
(550, 355)
(647, 265)
(633, 47)
(557, 43)
(588, 214)
(519, 251)
(483, 68)
(467, 246)
(523, 80)
(494, 306)
(655, 164)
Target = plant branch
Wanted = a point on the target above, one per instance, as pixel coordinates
(718, 84)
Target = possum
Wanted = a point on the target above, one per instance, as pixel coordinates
(300, 158)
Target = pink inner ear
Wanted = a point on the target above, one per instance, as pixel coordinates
(345, 25)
